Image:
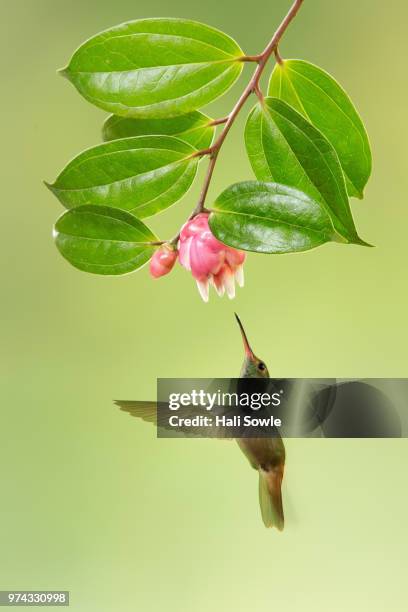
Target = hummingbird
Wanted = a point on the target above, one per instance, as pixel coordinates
(266, 455)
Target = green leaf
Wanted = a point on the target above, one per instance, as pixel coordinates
(269, 218)
(194, 128)
(284, 147)
(155, 67)
(142, 175)
(317, 96)
(103, 240)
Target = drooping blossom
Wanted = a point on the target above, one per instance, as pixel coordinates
(163, 260)
(208, 259)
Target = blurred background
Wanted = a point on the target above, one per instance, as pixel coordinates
(91, 500)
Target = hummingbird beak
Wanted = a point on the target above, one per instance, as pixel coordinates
(248, 350)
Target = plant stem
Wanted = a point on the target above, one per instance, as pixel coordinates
(252, 87)
(218, 121)
(278, 56)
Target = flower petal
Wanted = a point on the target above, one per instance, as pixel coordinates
(239, 275)
(234, 257)
(216, 281)
(229, 284)
(203, 289)
(195, 226)
(203, 261)
(184, 253)
(211, 241)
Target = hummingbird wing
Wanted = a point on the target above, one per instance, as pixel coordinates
(143, 410)
(148, 411)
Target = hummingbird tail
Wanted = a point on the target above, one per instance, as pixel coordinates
(270, 498)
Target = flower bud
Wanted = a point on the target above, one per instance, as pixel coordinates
(163, 260)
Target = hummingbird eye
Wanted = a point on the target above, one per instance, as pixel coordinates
(261, 366)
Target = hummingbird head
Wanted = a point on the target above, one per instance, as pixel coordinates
(253, 367)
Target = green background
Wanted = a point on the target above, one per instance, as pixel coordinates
(91, 501)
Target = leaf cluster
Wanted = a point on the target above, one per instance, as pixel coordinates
(306, 143)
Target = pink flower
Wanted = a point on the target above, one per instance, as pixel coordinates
(163, 261)
(208, 259)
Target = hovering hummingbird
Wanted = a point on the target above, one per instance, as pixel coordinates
(266, 455)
